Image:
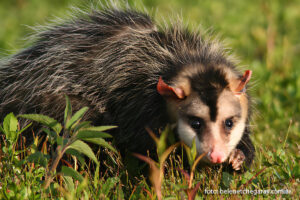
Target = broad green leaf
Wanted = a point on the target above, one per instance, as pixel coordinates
(69, 183)
(191, 153)
(76, 117)
(47, 121)
(82, 125)
(194, 150)
(188, 154)
(83, 148)
(100, 128)
(67, 171)
(10, 123)
(68, 110)
(10, 127)
(75, 153)
(100, 142)
(38, 158)
(92, 134)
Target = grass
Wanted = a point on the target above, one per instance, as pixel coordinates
(264, 35)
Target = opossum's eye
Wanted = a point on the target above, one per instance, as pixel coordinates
(228, 123)
(196, 123)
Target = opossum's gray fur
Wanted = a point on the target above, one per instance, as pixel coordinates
(108, 60)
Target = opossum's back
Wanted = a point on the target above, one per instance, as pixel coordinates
(78, 57)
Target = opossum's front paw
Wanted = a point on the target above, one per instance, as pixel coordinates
(236, 159)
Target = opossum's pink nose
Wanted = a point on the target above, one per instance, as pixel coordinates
(217, 156)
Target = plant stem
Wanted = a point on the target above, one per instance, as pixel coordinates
(59, 153)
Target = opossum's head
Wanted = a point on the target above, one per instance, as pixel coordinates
(209, 106)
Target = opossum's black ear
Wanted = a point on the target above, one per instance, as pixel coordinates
(241, 88)
(169, 92)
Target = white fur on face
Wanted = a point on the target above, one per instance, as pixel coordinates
(236, 135)
(228, 106)
(187, 135)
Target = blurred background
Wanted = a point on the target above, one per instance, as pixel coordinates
(264, 34)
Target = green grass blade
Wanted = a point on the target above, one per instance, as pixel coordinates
(23, 129)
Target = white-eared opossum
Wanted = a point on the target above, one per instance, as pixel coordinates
(133, 73)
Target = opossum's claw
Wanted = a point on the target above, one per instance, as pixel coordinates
(236, 159)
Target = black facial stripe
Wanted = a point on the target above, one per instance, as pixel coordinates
(210, 98)
(209, 84)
